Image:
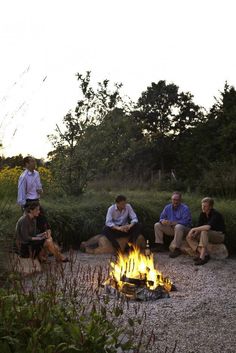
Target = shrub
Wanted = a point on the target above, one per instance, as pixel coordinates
(77, 219)
(220, 180)
(61, 313)
(9, 181)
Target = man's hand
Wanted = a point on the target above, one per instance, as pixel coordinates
(165, 222)
(48, 234)
(124, 229)
(40, 236)
(193, 232)
(40, 191)
(44, 235)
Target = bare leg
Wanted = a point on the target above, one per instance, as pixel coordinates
(203, 252)
(53, 248)
(43, 255)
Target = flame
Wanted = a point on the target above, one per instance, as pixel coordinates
(136, 265)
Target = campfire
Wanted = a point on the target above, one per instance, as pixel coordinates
(134, 275)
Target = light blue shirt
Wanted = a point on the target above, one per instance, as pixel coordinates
(120, 218)
(28, 184)
(181, 214)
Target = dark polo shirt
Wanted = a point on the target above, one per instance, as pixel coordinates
(214, 219)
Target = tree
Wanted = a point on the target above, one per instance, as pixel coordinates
(111, 145)
(222, 123)
(212, 141)
(69, 159)
(65, 162)
(165, 113)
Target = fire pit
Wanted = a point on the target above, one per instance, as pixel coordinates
(134, 276)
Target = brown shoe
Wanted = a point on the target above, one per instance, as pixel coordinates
(158, 248)
(65, 260)
(201, 262)
(196, 258)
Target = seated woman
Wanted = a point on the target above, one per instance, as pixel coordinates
(31, 244)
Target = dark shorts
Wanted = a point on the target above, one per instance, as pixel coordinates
(32, 249)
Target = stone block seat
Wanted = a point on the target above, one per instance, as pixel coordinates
(216, 251)
(23, 265)
(99, 244)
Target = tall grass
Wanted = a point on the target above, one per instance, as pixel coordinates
(66, 310)
(77, 219)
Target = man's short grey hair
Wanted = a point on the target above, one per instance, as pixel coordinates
(177, 193)
(208, 200)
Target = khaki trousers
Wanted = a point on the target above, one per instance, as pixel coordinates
(203, 238)
(177, 232)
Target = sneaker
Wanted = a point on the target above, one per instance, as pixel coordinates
(158, 248)
(201, 262)
(175, 253)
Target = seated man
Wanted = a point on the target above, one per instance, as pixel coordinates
(211, 228)
(175, 221)
(31, 244)
(117, 222)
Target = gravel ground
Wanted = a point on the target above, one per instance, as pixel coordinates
(200, 316)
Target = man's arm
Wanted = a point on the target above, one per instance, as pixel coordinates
(132, 215)
(194, 231)
(39, 186)
(164, 217)
(25, 233)
(109, 220)
(21, 197)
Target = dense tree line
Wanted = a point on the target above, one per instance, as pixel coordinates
(164, 130)
(16, 161)
(108, 135)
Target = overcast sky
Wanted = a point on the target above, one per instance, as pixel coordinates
(44, 43)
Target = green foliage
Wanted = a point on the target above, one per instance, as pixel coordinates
(219, 179)
(74, 220)
(70, 160)
(16, 161)
(209, 145)
(165, 130)
(163, 110)
(165, 113)
(59, 318)
(111, 145)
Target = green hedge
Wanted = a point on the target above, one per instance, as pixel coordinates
(75, 220)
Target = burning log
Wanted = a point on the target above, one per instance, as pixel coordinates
(134, 275)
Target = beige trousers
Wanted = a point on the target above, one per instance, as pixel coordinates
(177, 232)
(203, 238)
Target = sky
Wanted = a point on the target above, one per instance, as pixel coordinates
(45, 43)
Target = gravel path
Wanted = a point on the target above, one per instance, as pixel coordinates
(200, 316)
